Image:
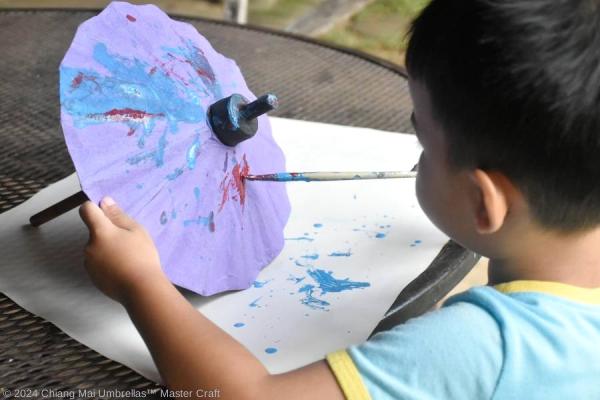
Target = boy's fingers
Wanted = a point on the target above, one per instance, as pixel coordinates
(93, 217)
(116, 215)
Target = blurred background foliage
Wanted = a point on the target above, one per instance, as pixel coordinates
(378, 28)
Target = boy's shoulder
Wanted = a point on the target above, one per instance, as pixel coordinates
(489, 342)
(530, 300)
(449, 353)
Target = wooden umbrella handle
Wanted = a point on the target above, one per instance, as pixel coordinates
(58, 209)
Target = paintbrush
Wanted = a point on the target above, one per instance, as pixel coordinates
(80, 197)
(329, 176)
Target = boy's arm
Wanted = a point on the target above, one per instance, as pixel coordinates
(189, 350)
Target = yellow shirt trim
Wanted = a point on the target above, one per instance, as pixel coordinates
(576, 293)
(347, 376)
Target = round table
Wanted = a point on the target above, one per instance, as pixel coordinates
(314, 81)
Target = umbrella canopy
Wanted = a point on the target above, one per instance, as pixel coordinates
(135, 88)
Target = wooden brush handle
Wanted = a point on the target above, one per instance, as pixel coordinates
(58, 209)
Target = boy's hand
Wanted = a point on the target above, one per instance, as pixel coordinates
(120, 256)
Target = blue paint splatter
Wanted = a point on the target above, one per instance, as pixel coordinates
(173, 214)
(225, 162)
(340, 254)
(296, 280)
(416, 242)
(163, 218)
(255, 303)
(310, 300)
(138, 94)
(134, 93)
(286, 177)
(270, 350)
(193, 152)
(139, 186)
(194, 56)
(140, 157)
(311, 256)
(259, 284)
(298, 263)
(197, 193)
(327, 283)
(301, 238)
(370, 233)
(239, 324)
(318, 225)
(205, 221)
(175, 174)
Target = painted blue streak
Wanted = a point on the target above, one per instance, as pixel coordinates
(311, 256)
(296, 280)
(259, 284)
(287, 177)
(340, 254)
(205, 221)
(163, 218)
(193, 152)
(175, 174)
(301, 238)
(255, 303)
(310, 300)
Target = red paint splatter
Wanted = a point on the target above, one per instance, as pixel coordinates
(131, 132)
(169, 70)
(200, 71)
(224, 186)
(153, 70)
(129, 113)
(131, 18)
(235, 182)
(77, 80)
(238, 178)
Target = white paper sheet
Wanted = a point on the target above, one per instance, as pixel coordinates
(367, 231)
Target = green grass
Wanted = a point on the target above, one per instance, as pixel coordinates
(279, 14)
(379, 29)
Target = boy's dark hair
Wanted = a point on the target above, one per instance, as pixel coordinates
(516, 86)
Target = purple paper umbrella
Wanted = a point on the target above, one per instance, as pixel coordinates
(135, 87)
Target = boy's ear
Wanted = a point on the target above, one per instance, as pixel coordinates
(490, 200)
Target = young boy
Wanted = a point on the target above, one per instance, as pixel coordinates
(507, 107)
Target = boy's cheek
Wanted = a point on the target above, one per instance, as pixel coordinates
(432, 198)
(424, 191)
